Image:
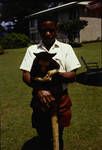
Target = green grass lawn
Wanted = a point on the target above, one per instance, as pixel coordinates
(85, 132)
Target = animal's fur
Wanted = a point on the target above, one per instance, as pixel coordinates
(41, 65)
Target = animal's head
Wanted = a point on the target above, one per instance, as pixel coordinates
(45, 61)
(44, 56)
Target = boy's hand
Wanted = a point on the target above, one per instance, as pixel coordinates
(48, 76)
(45, 96)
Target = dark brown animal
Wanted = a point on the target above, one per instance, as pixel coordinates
(43, 63)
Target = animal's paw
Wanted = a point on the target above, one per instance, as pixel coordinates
(43, 79)
(52, 72)
(38, 79)
(47, 78)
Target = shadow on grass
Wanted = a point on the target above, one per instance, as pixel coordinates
(93, 77)
(32, 144)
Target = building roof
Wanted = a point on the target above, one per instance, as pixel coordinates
(84, 3)
(58, 8)
(53, 9)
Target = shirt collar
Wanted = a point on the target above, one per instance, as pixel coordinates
(56, 44)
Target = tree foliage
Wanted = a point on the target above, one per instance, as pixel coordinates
(20, 8)
(72, 28)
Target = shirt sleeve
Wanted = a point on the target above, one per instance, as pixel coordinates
(71, 61)
(27, 60)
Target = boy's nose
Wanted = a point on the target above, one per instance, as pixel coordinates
(48, 33)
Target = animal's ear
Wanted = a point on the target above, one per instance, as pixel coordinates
(52, 55)
(45, 54)
(35, 54)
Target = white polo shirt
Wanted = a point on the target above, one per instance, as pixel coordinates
(65, 56)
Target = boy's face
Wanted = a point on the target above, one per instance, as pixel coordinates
(48, 32)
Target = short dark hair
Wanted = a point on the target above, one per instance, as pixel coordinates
(49, 17)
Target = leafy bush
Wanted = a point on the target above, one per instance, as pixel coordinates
(72, 28)
(1, 50)
(14, 40)
(75, 44)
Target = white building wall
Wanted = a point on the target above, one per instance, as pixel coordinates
(92, 31)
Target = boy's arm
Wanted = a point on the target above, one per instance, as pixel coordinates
(64, 76)
(68, 76)
(27, 78)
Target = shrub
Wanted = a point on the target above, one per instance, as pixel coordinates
(14, 40)
(75, 44)
(72, 28)
(1, 50)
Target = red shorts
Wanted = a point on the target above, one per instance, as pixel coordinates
(64, 112)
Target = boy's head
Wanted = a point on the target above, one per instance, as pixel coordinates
(47, 27)
(44, 18)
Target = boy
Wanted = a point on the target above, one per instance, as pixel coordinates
(68, 62)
